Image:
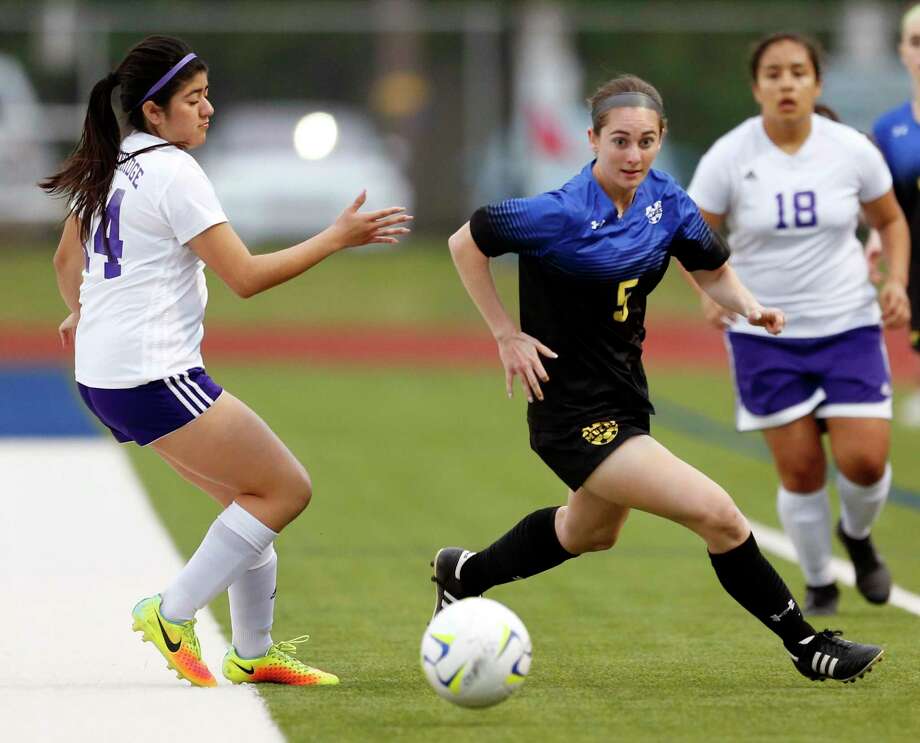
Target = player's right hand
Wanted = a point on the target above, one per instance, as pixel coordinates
(67, 330)
(520, 355)
(715, 314)
(355, 227)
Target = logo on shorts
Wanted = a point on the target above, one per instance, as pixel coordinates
(600, 433)
(653, 213)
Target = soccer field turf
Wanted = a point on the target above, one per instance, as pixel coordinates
(639, 643)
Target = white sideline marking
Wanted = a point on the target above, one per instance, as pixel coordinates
(79, 545)
(778, 543)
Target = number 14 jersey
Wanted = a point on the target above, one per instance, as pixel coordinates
(143, 293)
(792, 221)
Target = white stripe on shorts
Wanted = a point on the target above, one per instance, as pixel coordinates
(745, 420)
(180, 397)
(181, 384)
(201, 393)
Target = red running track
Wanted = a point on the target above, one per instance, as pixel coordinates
(670, 343)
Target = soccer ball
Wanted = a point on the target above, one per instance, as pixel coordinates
(476, 652)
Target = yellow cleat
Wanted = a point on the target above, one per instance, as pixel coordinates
(176, 641)
(277, 666)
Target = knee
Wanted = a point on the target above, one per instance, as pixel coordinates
(579, 540)
(805, 475)
(298, 492)
(863, 468)
(723, 526)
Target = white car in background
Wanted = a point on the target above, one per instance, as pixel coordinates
(286, 171)
(26, 152)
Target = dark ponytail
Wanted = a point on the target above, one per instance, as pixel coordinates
(86, 176)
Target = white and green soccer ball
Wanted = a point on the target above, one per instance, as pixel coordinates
(476, 652)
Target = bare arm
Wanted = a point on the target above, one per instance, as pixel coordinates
(885, 216)
(715, 314)
(248, 274)
(519, 352)
(725, 288)
(68, 268)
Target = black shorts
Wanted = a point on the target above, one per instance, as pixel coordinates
(913, 293)
(574, 452)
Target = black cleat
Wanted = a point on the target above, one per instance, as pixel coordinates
(447, 563)
(873, 578)
(827, 656)
(821, 601)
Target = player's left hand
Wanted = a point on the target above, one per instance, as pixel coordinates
(67, 330)
(895, 305)
(768, 317)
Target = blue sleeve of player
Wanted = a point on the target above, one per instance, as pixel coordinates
(694, 244)
(523, 226)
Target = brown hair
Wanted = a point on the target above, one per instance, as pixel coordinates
(622, 84)
(86, 175)
(811, 46)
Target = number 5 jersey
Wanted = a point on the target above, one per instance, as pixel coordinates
(143, 293)
(792, 222)
(584, 274)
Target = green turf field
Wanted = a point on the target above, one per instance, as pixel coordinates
(639, 644)
(413, 284)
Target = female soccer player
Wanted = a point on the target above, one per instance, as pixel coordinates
(897, 134)
(788, 185)
(589, 254)
(143, 223)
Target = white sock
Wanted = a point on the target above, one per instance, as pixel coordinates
(860, 506)
(806, 517)
(252, 606)
(234, 542)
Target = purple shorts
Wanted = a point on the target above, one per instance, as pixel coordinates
(150, 411)
(779, 380)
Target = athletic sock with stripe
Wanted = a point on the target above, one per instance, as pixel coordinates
(749, 579)
(530, 547)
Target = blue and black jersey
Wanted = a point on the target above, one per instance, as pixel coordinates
(584, 275)
(897, 134)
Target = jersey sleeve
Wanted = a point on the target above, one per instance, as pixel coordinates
(694, 244)
(711, 187)
(874, 176)
(190, 204)
(523, 226)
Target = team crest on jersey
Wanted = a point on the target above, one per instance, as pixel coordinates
(600, 433)
(653, 213)
(899, 130)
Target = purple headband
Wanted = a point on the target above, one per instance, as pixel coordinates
(167, 77)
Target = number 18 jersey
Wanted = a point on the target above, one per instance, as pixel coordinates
(792, 222)
(143, 293)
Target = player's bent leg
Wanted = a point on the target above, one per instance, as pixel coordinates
(277, 666)
(231, 445)
(860, 448)
(176, 641)
(588, 523)
(218, 491)
(643, 474)
(804, 509)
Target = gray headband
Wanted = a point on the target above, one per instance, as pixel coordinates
(627, 100)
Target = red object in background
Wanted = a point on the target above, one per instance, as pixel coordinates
(545, 132)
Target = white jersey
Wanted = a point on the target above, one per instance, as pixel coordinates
(792, 222)
(143, 293)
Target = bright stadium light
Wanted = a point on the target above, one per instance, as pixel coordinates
(315, 135)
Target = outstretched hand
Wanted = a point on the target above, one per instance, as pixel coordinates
(520, 355)
(770, 318)
(363, 228)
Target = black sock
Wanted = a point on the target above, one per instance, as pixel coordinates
(530, 547)
(749, 579)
